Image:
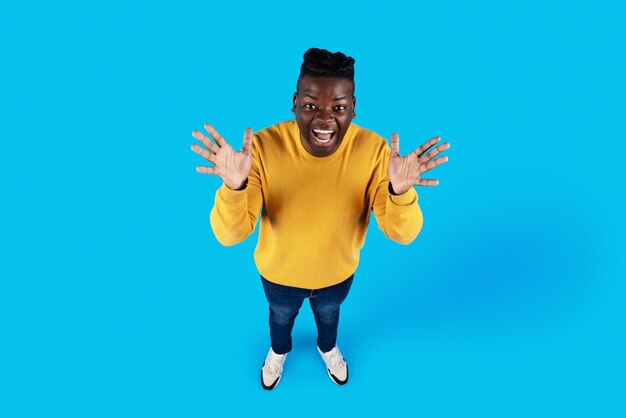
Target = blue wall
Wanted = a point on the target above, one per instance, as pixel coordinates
(116, 299)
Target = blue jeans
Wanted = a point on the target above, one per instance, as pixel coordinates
(285, 303)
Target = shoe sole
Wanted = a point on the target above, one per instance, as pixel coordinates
(337, 381)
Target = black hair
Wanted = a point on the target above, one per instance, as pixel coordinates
(323, 63)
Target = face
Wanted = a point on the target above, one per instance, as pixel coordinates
(324, 108)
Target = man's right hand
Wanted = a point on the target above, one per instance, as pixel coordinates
(232, 166)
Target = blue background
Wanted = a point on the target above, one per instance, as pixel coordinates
(116, 299)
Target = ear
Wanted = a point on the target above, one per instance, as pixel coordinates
(353, 106)
(295, 100)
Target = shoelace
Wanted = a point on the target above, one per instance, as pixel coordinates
(274, 367)
(335, 360)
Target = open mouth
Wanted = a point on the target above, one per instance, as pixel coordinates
(323, 136)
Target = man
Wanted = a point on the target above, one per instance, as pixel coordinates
(315, 180)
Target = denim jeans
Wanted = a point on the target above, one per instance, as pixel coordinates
(285, 303)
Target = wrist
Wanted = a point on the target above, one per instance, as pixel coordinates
(393, 192)
(243, 186)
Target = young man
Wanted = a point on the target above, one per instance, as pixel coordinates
(315, 180)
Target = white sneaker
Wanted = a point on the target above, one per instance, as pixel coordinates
(336, 365)
(272, 369)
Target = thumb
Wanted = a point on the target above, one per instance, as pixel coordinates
(247, 141)
(395, 144)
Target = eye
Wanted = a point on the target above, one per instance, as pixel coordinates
(309, 106)
(340, 108)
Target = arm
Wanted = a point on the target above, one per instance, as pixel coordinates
(238, 200)
(395, 204)
(398, 216)
(235, 213)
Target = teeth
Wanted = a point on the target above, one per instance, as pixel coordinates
(321, 131)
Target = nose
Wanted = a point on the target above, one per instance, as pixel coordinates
(325, 115)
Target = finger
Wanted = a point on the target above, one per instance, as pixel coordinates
(395, 144)
(204, 153)
(247, 141)
(424, 147)
(206, 170)
(206, 141)
(433, 163)
(432, 154)
(427, 182)
(215, 135)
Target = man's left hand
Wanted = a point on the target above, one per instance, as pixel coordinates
(404, 172)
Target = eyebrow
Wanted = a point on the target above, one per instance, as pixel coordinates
(315, 98)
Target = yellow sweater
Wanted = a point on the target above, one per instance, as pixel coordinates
(315, 210)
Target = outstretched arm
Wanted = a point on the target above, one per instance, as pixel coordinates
(239, 199)
(395, 204)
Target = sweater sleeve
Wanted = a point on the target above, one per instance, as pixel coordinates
(235, 212)
(398, 216)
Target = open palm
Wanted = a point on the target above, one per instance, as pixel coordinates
(405, 172)
(232, 166)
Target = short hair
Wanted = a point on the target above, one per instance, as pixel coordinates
(323, 63)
